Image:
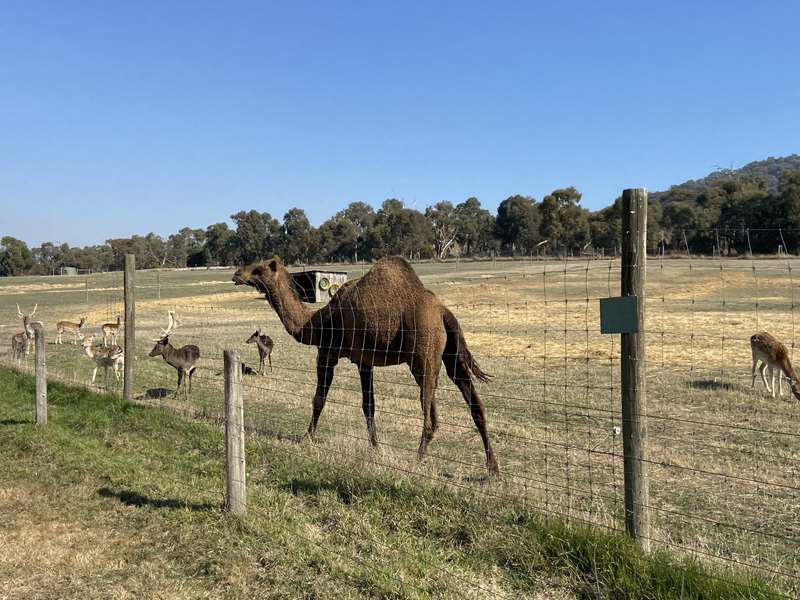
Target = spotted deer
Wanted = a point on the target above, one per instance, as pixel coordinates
(264, 344)
(106, 356)
(184, 359)
(773, 355)
(63, 327)
(111, 330)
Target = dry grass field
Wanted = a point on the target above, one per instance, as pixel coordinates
(724, 457)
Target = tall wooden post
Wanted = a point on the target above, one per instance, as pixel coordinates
(130, 325)
(236, 496)
(86, 291)
(158, 284)
(41, 377)
(634, 396)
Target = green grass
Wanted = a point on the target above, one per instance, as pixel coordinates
(111, 499)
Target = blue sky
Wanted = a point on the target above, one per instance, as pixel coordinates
(123, 118)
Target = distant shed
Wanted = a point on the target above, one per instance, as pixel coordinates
(71, 271)
(318, 286)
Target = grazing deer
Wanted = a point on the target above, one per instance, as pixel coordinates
(183, 359)
(70, 327)
(773, 354)
(265, 345)
(107, 356)
(111, 330)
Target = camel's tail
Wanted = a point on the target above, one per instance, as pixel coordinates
(456, 348)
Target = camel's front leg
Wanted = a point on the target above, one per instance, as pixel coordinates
(325, 366)
(368, 403)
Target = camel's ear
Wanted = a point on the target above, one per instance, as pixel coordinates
(273, 265)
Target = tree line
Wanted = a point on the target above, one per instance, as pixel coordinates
(732, 215)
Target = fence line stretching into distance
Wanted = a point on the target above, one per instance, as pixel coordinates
(723, 458)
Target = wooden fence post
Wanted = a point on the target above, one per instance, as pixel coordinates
(41, 377)
(130, 326)
(158, 284)
(86, 291)
(236, 496)
(634, 396)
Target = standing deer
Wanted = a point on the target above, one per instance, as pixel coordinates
(70, 327)
(183, 359)
(773, 354)
(264, 344)
(111, 330)
(107, 356)
(21, 342)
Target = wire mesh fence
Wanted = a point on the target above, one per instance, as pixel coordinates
(724, 455)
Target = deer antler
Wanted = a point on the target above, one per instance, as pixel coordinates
(19, 312)
(166, 332)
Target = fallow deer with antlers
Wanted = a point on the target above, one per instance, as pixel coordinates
(63, 327)
(773, 355)
(183, 359)
(21, 342)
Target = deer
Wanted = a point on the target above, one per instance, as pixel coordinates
(70, 327)
(111, 330)
(106, 356)
(21, 342)
(773, 355)
(184, 359)
(264, 344)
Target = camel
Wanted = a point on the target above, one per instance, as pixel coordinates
(385, 318)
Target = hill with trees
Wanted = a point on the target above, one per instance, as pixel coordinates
(731, 211)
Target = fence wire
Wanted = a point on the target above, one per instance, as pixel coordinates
(724, 455)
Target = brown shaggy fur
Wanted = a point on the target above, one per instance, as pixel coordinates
(385, 318)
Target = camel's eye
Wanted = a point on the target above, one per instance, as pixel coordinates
(257, 271)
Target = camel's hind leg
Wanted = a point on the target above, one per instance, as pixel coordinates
(325, 367)
(426, 378)
(368, 403)
(458, 372)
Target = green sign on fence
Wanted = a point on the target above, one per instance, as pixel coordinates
(618, 315)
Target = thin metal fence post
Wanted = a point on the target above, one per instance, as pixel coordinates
(236, 491)
(41, 377)
(130, 326)
(633, 374)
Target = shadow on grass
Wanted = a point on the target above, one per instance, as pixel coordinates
(349, 490)
(15, 422)
(710, 384)
(132, 498)
(157, 393)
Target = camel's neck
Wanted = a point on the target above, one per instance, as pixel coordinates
(295, 316)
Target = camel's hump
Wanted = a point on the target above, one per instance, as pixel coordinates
(391, 272)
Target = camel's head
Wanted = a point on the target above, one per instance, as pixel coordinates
(260, 276)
